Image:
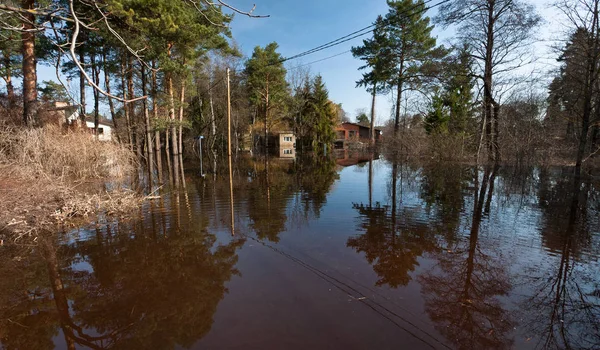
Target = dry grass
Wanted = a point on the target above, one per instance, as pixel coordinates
(50, 176)
(55, 154)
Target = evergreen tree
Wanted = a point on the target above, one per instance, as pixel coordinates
(375, 53)
(411, 47)
(451, 108)
(266, 84)
(322, 114)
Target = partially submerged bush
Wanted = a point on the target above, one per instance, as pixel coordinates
(65, 154)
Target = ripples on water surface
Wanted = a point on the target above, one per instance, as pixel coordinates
(324, 255)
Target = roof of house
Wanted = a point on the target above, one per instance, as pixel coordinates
(101, 120)
(359, 125)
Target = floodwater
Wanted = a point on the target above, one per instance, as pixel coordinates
(323, 254)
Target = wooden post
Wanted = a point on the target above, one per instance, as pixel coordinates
(228, 116)
(229, 153)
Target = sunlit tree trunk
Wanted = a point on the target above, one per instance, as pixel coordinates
(29, 66)
(111, 104)
(149, 153)
(174, 142)
(157, 146)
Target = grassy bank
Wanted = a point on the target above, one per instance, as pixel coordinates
(51, 177)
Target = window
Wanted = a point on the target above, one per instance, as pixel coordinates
(100, 131)
(287, 151)
(287, 139)
(352, 133)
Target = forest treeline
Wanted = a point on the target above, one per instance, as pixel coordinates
(161, 70)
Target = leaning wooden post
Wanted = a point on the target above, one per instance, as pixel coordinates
(229, 152)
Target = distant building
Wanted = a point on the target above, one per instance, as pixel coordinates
(287, 145)
(70, 117)
(105, 128)
(351, 132)
(281, 144)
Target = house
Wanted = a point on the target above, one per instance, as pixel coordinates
(352, 132)
(71, 118)
(105, 128)
(281, 143)
(287, 145)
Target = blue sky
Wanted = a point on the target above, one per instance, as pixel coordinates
(301, 25)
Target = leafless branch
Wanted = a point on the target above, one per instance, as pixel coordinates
(78, 64)
(245, 13)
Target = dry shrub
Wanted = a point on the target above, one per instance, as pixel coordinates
(74, 205)
(448, 147)
(408, 142)
(52, 152)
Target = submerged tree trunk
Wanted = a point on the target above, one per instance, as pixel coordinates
(174, 142)
(149, 152)
(157, 146)
(181, 102)
(29, 66)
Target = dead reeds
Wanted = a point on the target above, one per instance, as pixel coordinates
(63, 155)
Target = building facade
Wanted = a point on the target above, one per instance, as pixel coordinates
(347, 133)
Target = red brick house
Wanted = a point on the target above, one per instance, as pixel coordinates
(352, 132)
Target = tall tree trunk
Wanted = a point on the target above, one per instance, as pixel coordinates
(111, 103)
(181, 102)
(10, 90)
(590, 81)
(135, 134)
(174, 142)
(398, 105)
(82, 83)
(157, 146)
(213, 123)
(96, 78)
(267, 117)
(399, 93)
(373, 114)
(168, 153)
(488, 98)
(29, 67)
(149, 151)
(125, 107)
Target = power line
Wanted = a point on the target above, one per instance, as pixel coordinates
(321, 60)
(364, 31)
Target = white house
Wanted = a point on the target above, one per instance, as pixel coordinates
(72, 117)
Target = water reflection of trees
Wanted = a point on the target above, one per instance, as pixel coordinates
(564, 307)
(390, 244)
(462, 292)
(466, 290)
(139, 291)
(280, 184)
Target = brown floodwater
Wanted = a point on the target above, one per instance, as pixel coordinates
(318, 253)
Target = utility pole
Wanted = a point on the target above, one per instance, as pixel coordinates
(229, 153)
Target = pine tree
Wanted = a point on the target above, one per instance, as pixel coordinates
(266, 84)
(376, 55)
(411, 48)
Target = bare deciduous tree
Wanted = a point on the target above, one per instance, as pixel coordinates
(498, 33)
